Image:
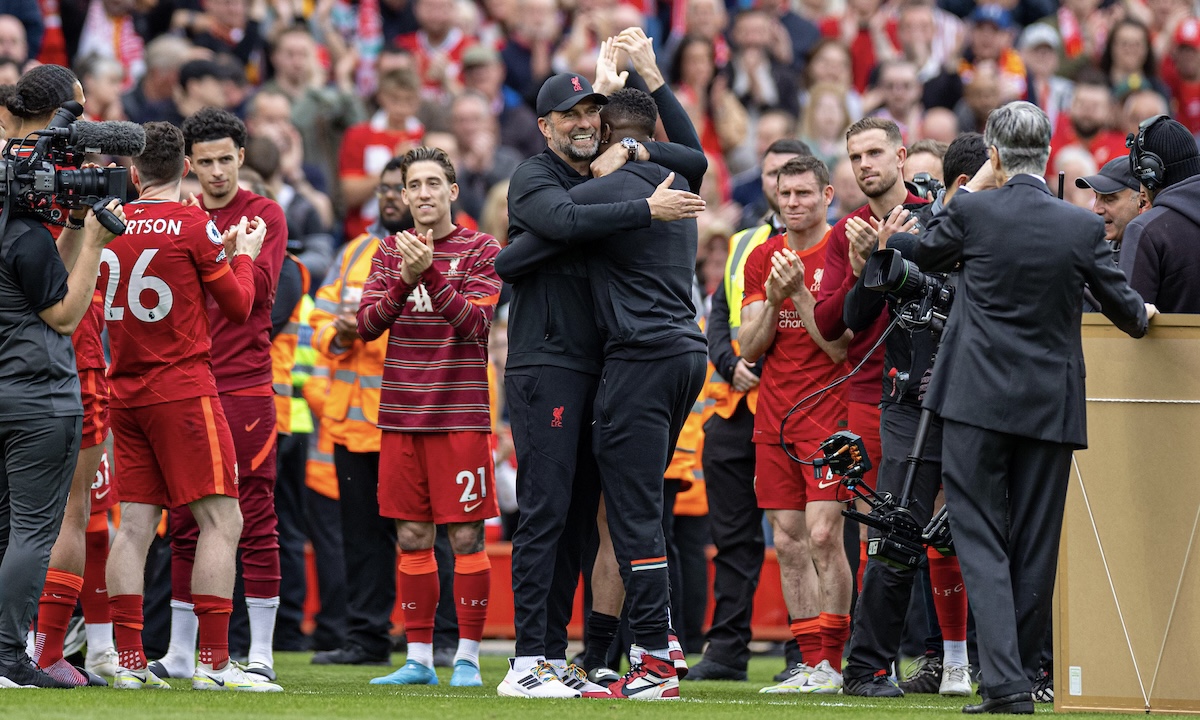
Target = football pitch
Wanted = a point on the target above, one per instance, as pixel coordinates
(313, 691)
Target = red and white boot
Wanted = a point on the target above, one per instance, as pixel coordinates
(652, 679)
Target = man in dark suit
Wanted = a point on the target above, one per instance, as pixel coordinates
(1009, 386)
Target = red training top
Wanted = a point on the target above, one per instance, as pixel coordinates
(242, 351)
(836, 283)
(435, 373)
(795, 365)
(154, 278)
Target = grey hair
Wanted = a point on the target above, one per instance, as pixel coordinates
(1020, 131)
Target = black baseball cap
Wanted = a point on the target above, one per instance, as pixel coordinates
(563, 92)
(1113, 177)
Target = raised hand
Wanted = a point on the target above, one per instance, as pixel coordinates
(789, 269)
(640, 49)
(251, 233)
(863, 241)
(417, 252)
(670, 205)
(899, 220)
(608, 80)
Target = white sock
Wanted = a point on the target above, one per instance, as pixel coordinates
(421, 653)
(525, 663)
(180, 659)
(559, 664)
(954, 652)
(31, 645)
(663, 654)
(467, 650)
(262, 629)
(635, 655)
(99, 638)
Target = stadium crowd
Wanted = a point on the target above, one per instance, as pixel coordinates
(408, 178)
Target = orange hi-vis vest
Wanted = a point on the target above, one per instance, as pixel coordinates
(283, 358)
(355, 373)
(319, 473)
(722, 399)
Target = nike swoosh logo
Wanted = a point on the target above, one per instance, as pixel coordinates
(471, 508)
(822, 484)
(217, 680)
(101, 496)
(250, 428)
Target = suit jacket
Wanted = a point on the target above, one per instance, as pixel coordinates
(1011, 358)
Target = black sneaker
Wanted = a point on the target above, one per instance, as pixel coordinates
(24, 674)
(708, 669)
(924, 676)
(878, 685)
(1043, 688)
(351, 655)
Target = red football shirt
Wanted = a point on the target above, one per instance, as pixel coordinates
(435, 373)
(242, 352)
(89, 350)
(451, 49)
(795, 365)
(153, 280)
(366, 149)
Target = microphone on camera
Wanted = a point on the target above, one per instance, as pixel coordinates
(906, 243)
(110, 138)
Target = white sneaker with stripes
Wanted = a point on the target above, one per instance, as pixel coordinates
(540, 681)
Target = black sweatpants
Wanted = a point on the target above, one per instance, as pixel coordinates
(886, 591)
(324, 524)
(550, 413)
(39, 460)
(290, 468)
(369, 549)
(735, 524)
(640, 409)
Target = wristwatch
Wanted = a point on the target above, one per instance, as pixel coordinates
(631, 146)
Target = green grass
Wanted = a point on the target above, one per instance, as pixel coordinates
(342, 692)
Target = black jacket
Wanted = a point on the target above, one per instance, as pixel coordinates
(551, 314)
(1160, 251)
(1011, 360)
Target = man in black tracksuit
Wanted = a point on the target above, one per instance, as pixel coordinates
(654, 360)
(555, 359)
(908, 357)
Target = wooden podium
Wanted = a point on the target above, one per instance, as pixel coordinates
(1127, 602)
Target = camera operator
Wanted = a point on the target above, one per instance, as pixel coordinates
(45, 289)
(1010, 388)
(908, 356)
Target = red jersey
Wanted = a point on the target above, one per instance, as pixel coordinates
(1106, 145)
(835, 284)
(242, 352)
(451, 49)
(366, 149)
(435, 375)
(153, 278)
(89, 350)
(795, 365)
(1185, 96)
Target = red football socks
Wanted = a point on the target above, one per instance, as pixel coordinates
(419, 588)
(807, 632)
(472, 583)
(212, 614)
(127, 630)
(57, 603)
(949, 595)
(835, 631)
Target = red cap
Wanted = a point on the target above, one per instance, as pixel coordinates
(1188, 33)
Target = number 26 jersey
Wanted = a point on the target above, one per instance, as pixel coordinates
(153, 280)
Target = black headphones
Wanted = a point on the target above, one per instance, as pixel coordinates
(1145, 166)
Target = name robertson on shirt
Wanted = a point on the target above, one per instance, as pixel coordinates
(160, 226)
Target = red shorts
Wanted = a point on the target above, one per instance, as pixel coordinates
(864, 422)
(173, 453)
(103, 496)
(437, 477)
(94, 390)
(781, 483)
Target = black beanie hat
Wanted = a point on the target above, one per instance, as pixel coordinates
(1176, 147)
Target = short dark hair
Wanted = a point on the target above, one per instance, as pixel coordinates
(965, 156)
(428, 154)
(213, 124)
(935, 148)
(631, 107)
(396, 163)
(891, 129)
(401, 79)
(41, 91)
(198, 70)
(162, 160)
(788, 146)
(262, 156)
(806, 164)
